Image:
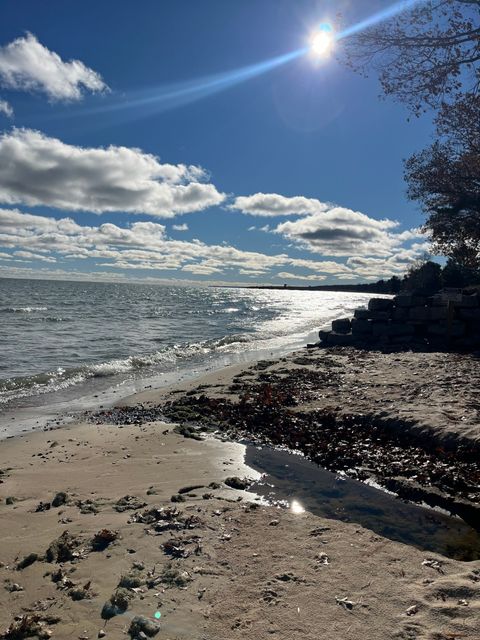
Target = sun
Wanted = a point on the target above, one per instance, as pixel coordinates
(322, 41)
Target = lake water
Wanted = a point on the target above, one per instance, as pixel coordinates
(61, 341)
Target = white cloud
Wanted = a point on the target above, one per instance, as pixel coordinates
(326, 229)
(29, 256)
(27, 65)
(6, 109)
(273, 204)
(146, 247)
(180, 227)
(343, 232)
(142, 246)
(285, 275)
(41, 171)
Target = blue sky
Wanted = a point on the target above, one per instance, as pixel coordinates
(294, 175)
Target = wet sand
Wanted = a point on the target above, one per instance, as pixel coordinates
(220, 568)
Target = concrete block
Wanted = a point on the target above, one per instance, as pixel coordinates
(361, 314)
(455, 330)
(400, 313)
(397, 329)
(379, 329)
(419, 314)
(380, 316)
(438, 313)
(405, 300)
(361, 327)
(340, 339)
(343, 325)
(467, 302)
(471, 315)
(380, 304)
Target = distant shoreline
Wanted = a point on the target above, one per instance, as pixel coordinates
(334, 288)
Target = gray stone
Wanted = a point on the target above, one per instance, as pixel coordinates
(403, 300)
(472, 315)
(438, 313)
(323, 335)
(455, 330)
(400, 313)
(361, 327)
(419, 314)
(406, 300)
(380, 304)
(59, 499)
(343, 325)
(396, 329)
(340, 339)
(467, 302)
(380, 316)
(380, 329)
(437, 301)
(361, 314)
(141, 625)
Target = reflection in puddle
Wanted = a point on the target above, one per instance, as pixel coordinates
(304, 485)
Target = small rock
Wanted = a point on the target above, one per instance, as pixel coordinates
(274, 523)
(411, 611)
(59, 499)
(42, 506)
(27, 561)
(102, 633)
(234, 482)
(10, 500)
(141, 625)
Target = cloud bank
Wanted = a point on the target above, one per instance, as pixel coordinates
(37, 170)
(27, 65)
(142, 246)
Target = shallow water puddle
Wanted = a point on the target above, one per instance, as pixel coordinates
(304, 485)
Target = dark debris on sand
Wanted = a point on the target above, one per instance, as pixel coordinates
(362, 446)
(270, 409)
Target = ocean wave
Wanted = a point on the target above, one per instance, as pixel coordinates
(22, 309)
(62, 378)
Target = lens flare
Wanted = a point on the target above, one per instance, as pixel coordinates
(381, 16)
(155, 100)
(321, 42)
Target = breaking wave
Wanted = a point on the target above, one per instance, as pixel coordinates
(22, 309)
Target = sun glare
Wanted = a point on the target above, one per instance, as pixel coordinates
(321, 41)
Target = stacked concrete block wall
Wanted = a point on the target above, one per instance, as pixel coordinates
(445, 320)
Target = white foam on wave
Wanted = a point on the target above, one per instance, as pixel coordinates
(22, 309)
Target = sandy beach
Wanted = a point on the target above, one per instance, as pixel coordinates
(145, 523)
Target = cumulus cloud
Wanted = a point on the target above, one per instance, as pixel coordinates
(6, 109)
(27, 65)
(41, 171)
(140, 247)
(343, 232)
(273, 204)
(180, 227)
(285, 275)
(327, 229)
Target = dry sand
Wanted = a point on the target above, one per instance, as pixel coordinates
(257, 572)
